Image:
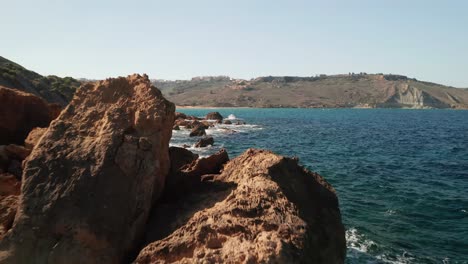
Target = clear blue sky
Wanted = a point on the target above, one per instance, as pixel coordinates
(173, 39)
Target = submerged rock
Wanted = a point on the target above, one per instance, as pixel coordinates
(89, 184)
(263, 208)
(21, 112)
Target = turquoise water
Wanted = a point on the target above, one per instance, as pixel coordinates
(401, 175)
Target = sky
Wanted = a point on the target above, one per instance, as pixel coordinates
(172, 39)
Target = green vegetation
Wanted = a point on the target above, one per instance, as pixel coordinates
(51, 88)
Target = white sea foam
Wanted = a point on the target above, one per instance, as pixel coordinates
(358, 244)
(180, 138)
(390, 212)
(357, 241)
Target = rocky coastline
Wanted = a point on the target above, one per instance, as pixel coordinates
(98, 182)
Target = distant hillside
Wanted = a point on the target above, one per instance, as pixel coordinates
(52, 88)
(347, 90)
(350, 90)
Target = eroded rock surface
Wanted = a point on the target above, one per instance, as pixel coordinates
(33, 137)
(187, 170)
(90, 182)
(263, 208)
(9, 191)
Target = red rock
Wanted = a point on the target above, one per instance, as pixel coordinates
(187, 171)
(8, 206)
(209, 165)
(33, 137)
(9, 185)
(9, 191)
(180, 157)
(20, 112)
(263, 208)
(89, 184)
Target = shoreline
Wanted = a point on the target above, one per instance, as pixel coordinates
(322, 108)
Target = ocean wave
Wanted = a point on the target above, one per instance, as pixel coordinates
(357, 241)
(364, 250)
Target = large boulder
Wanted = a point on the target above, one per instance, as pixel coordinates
(204, 142)
(20, 112)
(214, 116)
(198, 131)
(209, 165)
(180, 158)
(89, 184)
(187, 170)
(263, 208)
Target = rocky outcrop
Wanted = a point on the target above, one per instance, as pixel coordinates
(214, 116)
(9, 191)
(9, 185)
(20, 112)
(179, 115)
(405, 95)
(90, 182)
(11, 158)
(198, 131)
(180, 158)
(209, 165)
(8, 205)
(263, 208)
(204, 142)
(33, 137)
(187, 170)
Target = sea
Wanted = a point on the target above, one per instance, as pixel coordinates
(401, 175)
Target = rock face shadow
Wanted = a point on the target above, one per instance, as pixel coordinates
(168, 215)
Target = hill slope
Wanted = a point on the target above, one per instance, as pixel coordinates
(354, 90)
(52, 88)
